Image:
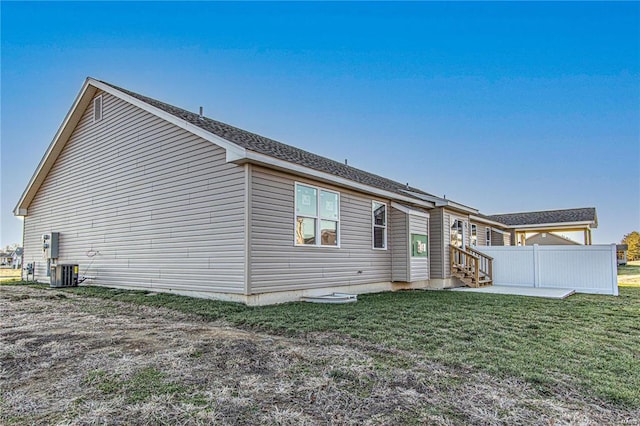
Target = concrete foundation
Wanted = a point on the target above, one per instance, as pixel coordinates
(273, 298)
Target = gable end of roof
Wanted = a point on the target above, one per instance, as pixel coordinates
(235, 141)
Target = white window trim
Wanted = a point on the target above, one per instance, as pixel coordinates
(95, 101)
(385, 227)
(473, 227)
(487, 235)
(317, 217)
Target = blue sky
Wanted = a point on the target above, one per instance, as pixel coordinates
(502, 106)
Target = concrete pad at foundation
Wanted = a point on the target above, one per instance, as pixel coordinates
(551, 293)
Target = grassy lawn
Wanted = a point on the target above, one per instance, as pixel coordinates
(629, 275)
(133, 362)
(586, 344)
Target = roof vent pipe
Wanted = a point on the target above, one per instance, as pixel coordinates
(346, 162)
(201, 112)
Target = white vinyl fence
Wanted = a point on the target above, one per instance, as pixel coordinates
(585, 269)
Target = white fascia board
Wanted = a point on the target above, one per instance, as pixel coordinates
(297, 169)
(559, 225)
(499, 231)
(233, 151)
(461, 207)
(487, 221)
(409, 210)
(442, 202)
(60, 138)
(437, 201)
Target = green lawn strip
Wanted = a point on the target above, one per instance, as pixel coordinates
(141, 386)
(629, 269)
(586, 341)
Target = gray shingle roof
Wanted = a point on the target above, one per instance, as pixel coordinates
(587, 214)
(272, 148)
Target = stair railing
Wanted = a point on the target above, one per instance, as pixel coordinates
(485, 264)
(471, 263)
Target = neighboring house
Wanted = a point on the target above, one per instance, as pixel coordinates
(5, 259)
(16, 258)
(128, 181)
(550, 239)
(621, 253)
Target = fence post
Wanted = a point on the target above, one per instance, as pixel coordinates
(536, 267)
(614, 269)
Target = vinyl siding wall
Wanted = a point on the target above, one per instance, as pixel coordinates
(159, 205)
(436, 240)
(399, 246)
(419, 265)
(498, 239)
(482, 233)
(278, 265)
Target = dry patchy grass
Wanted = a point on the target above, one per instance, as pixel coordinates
(76, 360)
(9, 273)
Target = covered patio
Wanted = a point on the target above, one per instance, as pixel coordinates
(568, 220)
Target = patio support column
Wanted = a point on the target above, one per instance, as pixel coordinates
(523, 238)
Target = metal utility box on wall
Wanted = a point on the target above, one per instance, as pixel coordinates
(64, 275)
(50, 245)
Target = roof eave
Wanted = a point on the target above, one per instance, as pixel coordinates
(557, 225)
(499, 231)
(275, 163)
(409, 210)
(461, 207)
(487, 221)
(441, 202)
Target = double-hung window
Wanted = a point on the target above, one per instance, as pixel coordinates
(379, 225)
(317, 216)
(488, 236)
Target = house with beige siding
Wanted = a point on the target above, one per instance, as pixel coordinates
(128, 181)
